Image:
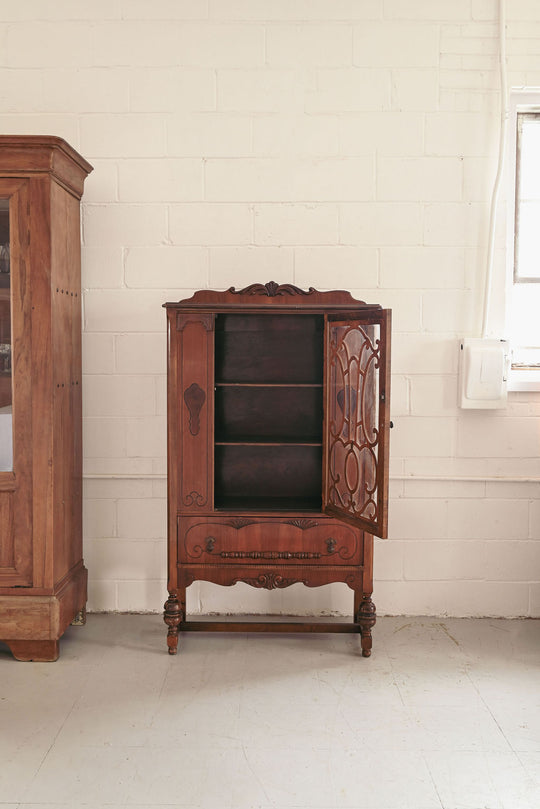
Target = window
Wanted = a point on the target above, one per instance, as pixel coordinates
(527, 204)
(523, 318)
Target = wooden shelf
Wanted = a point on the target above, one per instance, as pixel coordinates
(268, 349)
(268, 414)
(268, 385)
(268, 504)
(268, 470)
(271, 442)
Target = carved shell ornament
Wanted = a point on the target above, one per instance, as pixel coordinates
(240, 522)
(302, 523)
(267, 581)
(272, 289)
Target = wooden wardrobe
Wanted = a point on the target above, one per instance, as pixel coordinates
(278, 424)
(42, 575)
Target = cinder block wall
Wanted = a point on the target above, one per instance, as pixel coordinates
(332, 143)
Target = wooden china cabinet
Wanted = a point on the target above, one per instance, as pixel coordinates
(42, 575)
(278, 422)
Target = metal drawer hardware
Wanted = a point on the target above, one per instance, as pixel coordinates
(269, 555)
(210, 544)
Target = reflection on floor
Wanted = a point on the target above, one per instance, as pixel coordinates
(446, 713)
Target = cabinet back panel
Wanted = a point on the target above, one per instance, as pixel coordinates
(281, 414)
(268, 471)
(269, 348)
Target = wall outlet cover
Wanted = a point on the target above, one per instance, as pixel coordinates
(483, 373)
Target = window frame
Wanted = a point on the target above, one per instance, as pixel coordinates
(524, 376)
(521, 114)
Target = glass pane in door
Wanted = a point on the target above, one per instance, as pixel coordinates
(6, 429)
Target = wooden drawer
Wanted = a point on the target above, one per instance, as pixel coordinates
(268, 540)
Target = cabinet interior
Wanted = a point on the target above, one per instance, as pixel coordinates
(268, 411)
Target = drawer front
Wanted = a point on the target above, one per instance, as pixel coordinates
(245, 540)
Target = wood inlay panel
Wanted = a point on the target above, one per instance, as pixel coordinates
(195, 431)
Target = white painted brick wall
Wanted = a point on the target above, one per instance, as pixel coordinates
(171, 89)
(351, 89)
(411, 178)
(347, 143)
(247, 263)
(283, 224)
(211, 224)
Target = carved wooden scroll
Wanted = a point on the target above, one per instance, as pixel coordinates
(272, 289)
(357, 421)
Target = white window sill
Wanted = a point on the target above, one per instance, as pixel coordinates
(524, 380)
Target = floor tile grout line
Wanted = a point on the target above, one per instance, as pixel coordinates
(488, 708)
(56, 735)
(412, 718)
(510, 746)
(435, 787)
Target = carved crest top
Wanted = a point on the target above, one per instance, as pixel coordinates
(271, 294)
(272, 289)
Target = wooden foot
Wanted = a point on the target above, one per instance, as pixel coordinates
(172, 616)
(40, 651)
(366, 618)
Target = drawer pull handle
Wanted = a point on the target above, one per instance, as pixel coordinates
(272, 555)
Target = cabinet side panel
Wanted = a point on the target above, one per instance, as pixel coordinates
(195, 403)
(41, 375)
(66, 382)
(172, 446)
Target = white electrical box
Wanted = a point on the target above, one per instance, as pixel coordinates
(483, 373)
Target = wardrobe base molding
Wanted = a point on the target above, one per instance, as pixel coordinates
(32, 625)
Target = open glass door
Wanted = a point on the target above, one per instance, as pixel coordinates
(357, 419)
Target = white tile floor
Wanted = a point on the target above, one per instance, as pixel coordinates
(446, 713)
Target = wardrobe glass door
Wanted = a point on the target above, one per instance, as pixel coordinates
(6, 387)
(15, 386)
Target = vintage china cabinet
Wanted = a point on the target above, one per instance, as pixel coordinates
(42, 576)
(278, 423)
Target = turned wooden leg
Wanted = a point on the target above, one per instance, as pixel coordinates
(366, 618)
(357, 602)
(173, 617)
(40, 651)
